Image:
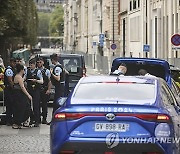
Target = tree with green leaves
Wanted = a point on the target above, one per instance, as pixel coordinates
(43, 26)
(56, 27)
(18, 24)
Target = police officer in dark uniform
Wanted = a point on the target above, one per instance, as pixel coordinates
(57, 79)
(9, 74)
(34, 80)
(45, 87)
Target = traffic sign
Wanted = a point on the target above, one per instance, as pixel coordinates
(101, 37)
(146, 48)
(113, 46)
(94, 43)
(101, 40)
(101, 44)
(175, 48)
(175, 39)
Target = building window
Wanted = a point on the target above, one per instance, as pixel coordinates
(135, 29)
(134, 4)
(155, 39)
(124, 37)
(177, 16)
(138, 3)
(130, 6)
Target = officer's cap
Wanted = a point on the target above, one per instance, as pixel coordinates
(54, 56)
(32, 61)
(39, 59)
(18, 58)
(12, 59)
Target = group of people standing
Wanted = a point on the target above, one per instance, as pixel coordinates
(27, 90)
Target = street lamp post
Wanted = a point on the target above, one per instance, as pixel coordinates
(113, 21)
(75, 24)
(101, 15)
(113, 26)
(101, 24)
(146, 30)
(87, 32)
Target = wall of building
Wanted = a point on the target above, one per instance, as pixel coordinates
(162, 18)
(136, 23)
(47, 5)
(90, 14)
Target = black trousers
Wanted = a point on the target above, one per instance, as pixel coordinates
(8, 101)
(44, 98)
(35, 93)
(59, 92)
(21, 107)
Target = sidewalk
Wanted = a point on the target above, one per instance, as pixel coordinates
(92, 71)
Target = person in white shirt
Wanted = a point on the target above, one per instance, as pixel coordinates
(122, 69)
(57, 79)
(143, 72)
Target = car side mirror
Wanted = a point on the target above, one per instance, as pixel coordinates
(61, 101)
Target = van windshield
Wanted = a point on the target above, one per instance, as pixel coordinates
(71, 64)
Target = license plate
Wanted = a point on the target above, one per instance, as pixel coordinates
(116, 127)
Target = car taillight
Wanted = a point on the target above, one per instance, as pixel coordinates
(146, 117)
(73, 116)
(68, 116)
(150, 117)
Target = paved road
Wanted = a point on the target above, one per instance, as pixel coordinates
(25, 141)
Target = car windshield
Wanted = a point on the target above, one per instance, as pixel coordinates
(109, 93)
(71, 64)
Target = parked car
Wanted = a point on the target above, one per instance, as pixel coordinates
(73, 63)
(104, 114)
(156, 67)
